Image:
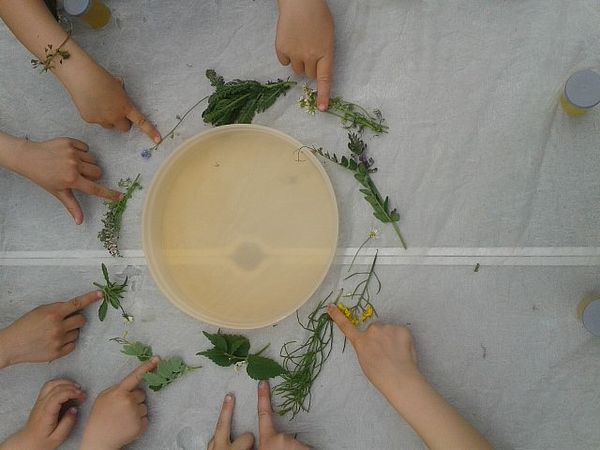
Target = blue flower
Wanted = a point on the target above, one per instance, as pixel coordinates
(146, 153)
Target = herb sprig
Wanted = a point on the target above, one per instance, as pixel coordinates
(113, 218)
(351, 115)
(362, 168)
(167, 371)
(112, 295)
(233, 349)
(238, 101)
(51, 55)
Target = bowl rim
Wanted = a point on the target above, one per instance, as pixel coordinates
(153, 190)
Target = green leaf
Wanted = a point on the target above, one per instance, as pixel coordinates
(153, 379)
(139, 350)
(218, 340)
(102, 310)
(105, 272)
(262, 368)
(237, 345)
(217, 356)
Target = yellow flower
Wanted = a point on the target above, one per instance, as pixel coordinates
(367, 313)
(349, 314)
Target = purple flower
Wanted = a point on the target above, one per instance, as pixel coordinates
(146, 153)
(368, 162)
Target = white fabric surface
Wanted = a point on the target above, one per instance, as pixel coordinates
(480, 162)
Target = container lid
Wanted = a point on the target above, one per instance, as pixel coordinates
(583, 88)
(591, 317)
(77, 7)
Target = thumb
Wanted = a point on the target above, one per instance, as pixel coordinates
(345, 326)
(66, 424)
(69, 201)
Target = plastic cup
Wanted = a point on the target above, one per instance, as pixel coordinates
(93, 12)
(581, 93)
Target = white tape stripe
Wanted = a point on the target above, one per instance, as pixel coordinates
(443, 256)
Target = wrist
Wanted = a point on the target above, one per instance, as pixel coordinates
(89, 442)
(10, 150)
(405, 389)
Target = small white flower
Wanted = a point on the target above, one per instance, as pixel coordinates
(240, 365)
(373, 233)
(128, 318)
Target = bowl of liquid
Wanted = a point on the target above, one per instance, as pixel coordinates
(240, 226)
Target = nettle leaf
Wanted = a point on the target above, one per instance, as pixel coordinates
(217, 356)
(262, 368)
(238, 345)
(218, 340)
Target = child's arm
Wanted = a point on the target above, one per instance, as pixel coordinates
(99, 97)
(119, 415)
(59, 166)
(387, 356)
(47, 333)
(47, 428)
(305, 39)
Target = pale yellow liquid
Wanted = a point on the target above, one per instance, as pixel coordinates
(246, 232)
(571, 109)
(585, 301)
(98, 15)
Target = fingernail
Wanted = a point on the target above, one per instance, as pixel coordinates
(229, 397)
(78, 386)
(72, 410)
(322, 107)
(99, 294)
(263, 384)
(156, 139)
(154, 359)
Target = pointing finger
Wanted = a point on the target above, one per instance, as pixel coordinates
(265, 412)
(80, 302)
(324, 67)
(131, 381)
(138, 119)
(346, 327)
(223, 428)
(92, 188)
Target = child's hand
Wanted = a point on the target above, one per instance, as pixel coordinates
(61, 165)
(47, 333)
(305, 38)
(119, 415)
(222, 438)
(46, 428)
(101, 99)
(269, 438)
(386, 353)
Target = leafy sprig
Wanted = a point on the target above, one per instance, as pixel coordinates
(362, 168)
(351, 115)
(52, 55)
(238, 101)
(234, 349)
(303, 362)
(113, 218)
(112, 295)
(167, 371)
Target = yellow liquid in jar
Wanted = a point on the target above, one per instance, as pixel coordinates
(585, 301)
(570, 108)
(98, 15)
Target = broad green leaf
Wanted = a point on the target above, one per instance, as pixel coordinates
(217, 356)
(262, 368)
(218, 340)
(153, 379)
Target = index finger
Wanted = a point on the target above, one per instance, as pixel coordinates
(324, 68)
(346, 327)
(78, 303)
(131, 381)
(92, 188)
(223, 428)
(138, 119)
(265, 412)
